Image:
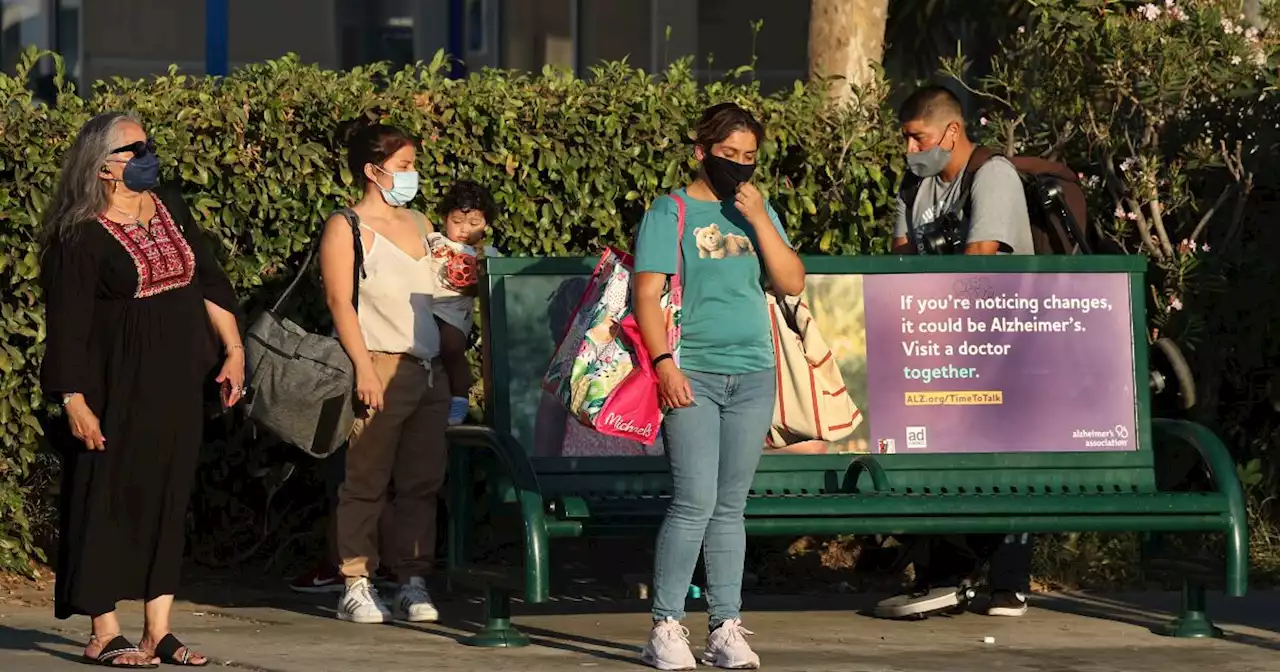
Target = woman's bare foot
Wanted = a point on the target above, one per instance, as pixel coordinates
(99, 642)
(181, 656)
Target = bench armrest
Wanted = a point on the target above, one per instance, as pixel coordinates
(512, 457)
(869, 464)
(1222, 469)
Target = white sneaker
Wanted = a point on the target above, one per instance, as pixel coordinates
(413, 604)
(727, 648)
(458, 409)
(360, 604)
(668, 647)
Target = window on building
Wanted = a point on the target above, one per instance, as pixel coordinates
(43, 24)
(536, 33)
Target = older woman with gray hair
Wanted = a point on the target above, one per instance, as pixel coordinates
(139, 315)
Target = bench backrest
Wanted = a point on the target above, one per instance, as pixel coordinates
(1074, 364)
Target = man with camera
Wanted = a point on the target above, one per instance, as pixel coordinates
(988, 216)
(951, 213)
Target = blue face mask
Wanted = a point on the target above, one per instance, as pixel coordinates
(142, 172)
(404, 187)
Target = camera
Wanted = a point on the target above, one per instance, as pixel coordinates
(944, 235)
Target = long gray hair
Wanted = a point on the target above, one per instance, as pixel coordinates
(81, 194)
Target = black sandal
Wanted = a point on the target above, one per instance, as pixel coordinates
(167, 651)
(115, 648)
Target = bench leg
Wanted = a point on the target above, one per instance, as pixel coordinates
(498, 631)
(1193, 621)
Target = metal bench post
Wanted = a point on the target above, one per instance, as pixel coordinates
(498, 631)
(1193, 618)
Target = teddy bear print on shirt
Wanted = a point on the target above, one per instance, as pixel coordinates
(714, 244)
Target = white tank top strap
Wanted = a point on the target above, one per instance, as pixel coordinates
(396, 303)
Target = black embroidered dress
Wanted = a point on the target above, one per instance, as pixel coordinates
(127, 327)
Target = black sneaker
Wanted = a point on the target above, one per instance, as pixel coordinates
(1007, 603)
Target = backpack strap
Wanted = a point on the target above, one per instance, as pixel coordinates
(907, 192)
(978, 159)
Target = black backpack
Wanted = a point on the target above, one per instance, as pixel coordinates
(1055, 202)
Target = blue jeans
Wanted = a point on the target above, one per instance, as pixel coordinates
(714, 448)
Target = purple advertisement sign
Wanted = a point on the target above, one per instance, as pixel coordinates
(1001, 362)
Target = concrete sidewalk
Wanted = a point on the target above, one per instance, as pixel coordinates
(276, 631)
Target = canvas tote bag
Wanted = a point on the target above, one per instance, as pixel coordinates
(812, 401)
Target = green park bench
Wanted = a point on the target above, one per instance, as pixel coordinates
(1002, 477)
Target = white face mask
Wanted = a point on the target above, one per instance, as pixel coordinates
(404, 187)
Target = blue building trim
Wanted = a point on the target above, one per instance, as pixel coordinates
(216, 28)
(457, 38)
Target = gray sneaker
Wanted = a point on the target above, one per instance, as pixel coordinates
(727, 648)
(668, 647)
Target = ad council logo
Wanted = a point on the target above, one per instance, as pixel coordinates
(917, 438)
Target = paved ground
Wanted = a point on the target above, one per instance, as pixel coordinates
(273, 631)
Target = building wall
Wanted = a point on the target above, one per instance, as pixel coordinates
(139, 38)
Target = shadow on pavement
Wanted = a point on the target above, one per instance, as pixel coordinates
(1158, 609)
(20, 639)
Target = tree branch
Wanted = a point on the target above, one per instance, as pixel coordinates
(1204, 220)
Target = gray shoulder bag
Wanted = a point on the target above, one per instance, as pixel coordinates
(302, 385)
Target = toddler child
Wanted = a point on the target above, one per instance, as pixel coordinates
(466, 212)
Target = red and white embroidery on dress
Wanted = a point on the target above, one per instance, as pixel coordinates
(160, 252)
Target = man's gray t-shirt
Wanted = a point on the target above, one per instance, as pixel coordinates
(997, 208)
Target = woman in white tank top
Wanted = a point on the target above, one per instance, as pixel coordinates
(394, 344)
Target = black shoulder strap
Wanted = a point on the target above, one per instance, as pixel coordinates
(907, 192)
(357, 269)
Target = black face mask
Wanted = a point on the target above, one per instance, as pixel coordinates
(142, 172)
(725, 176)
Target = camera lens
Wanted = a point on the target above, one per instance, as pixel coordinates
(934, 242)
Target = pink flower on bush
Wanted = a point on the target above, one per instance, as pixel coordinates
(1204, 247)
(1132, 216)
(1175, 304)
(1149, 12)
(1119, 213)
(984, 121)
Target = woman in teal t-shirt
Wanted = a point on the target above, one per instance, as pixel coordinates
(721, 397)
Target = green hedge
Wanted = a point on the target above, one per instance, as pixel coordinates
(572, 163)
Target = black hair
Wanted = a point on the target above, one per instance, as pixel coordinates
(466, 196)
(370, 142)
(929, 103)
(718, 122)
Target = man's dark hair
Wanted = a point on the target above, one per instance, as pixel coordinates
(718, 122)
(467, 196)
(931, 103)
